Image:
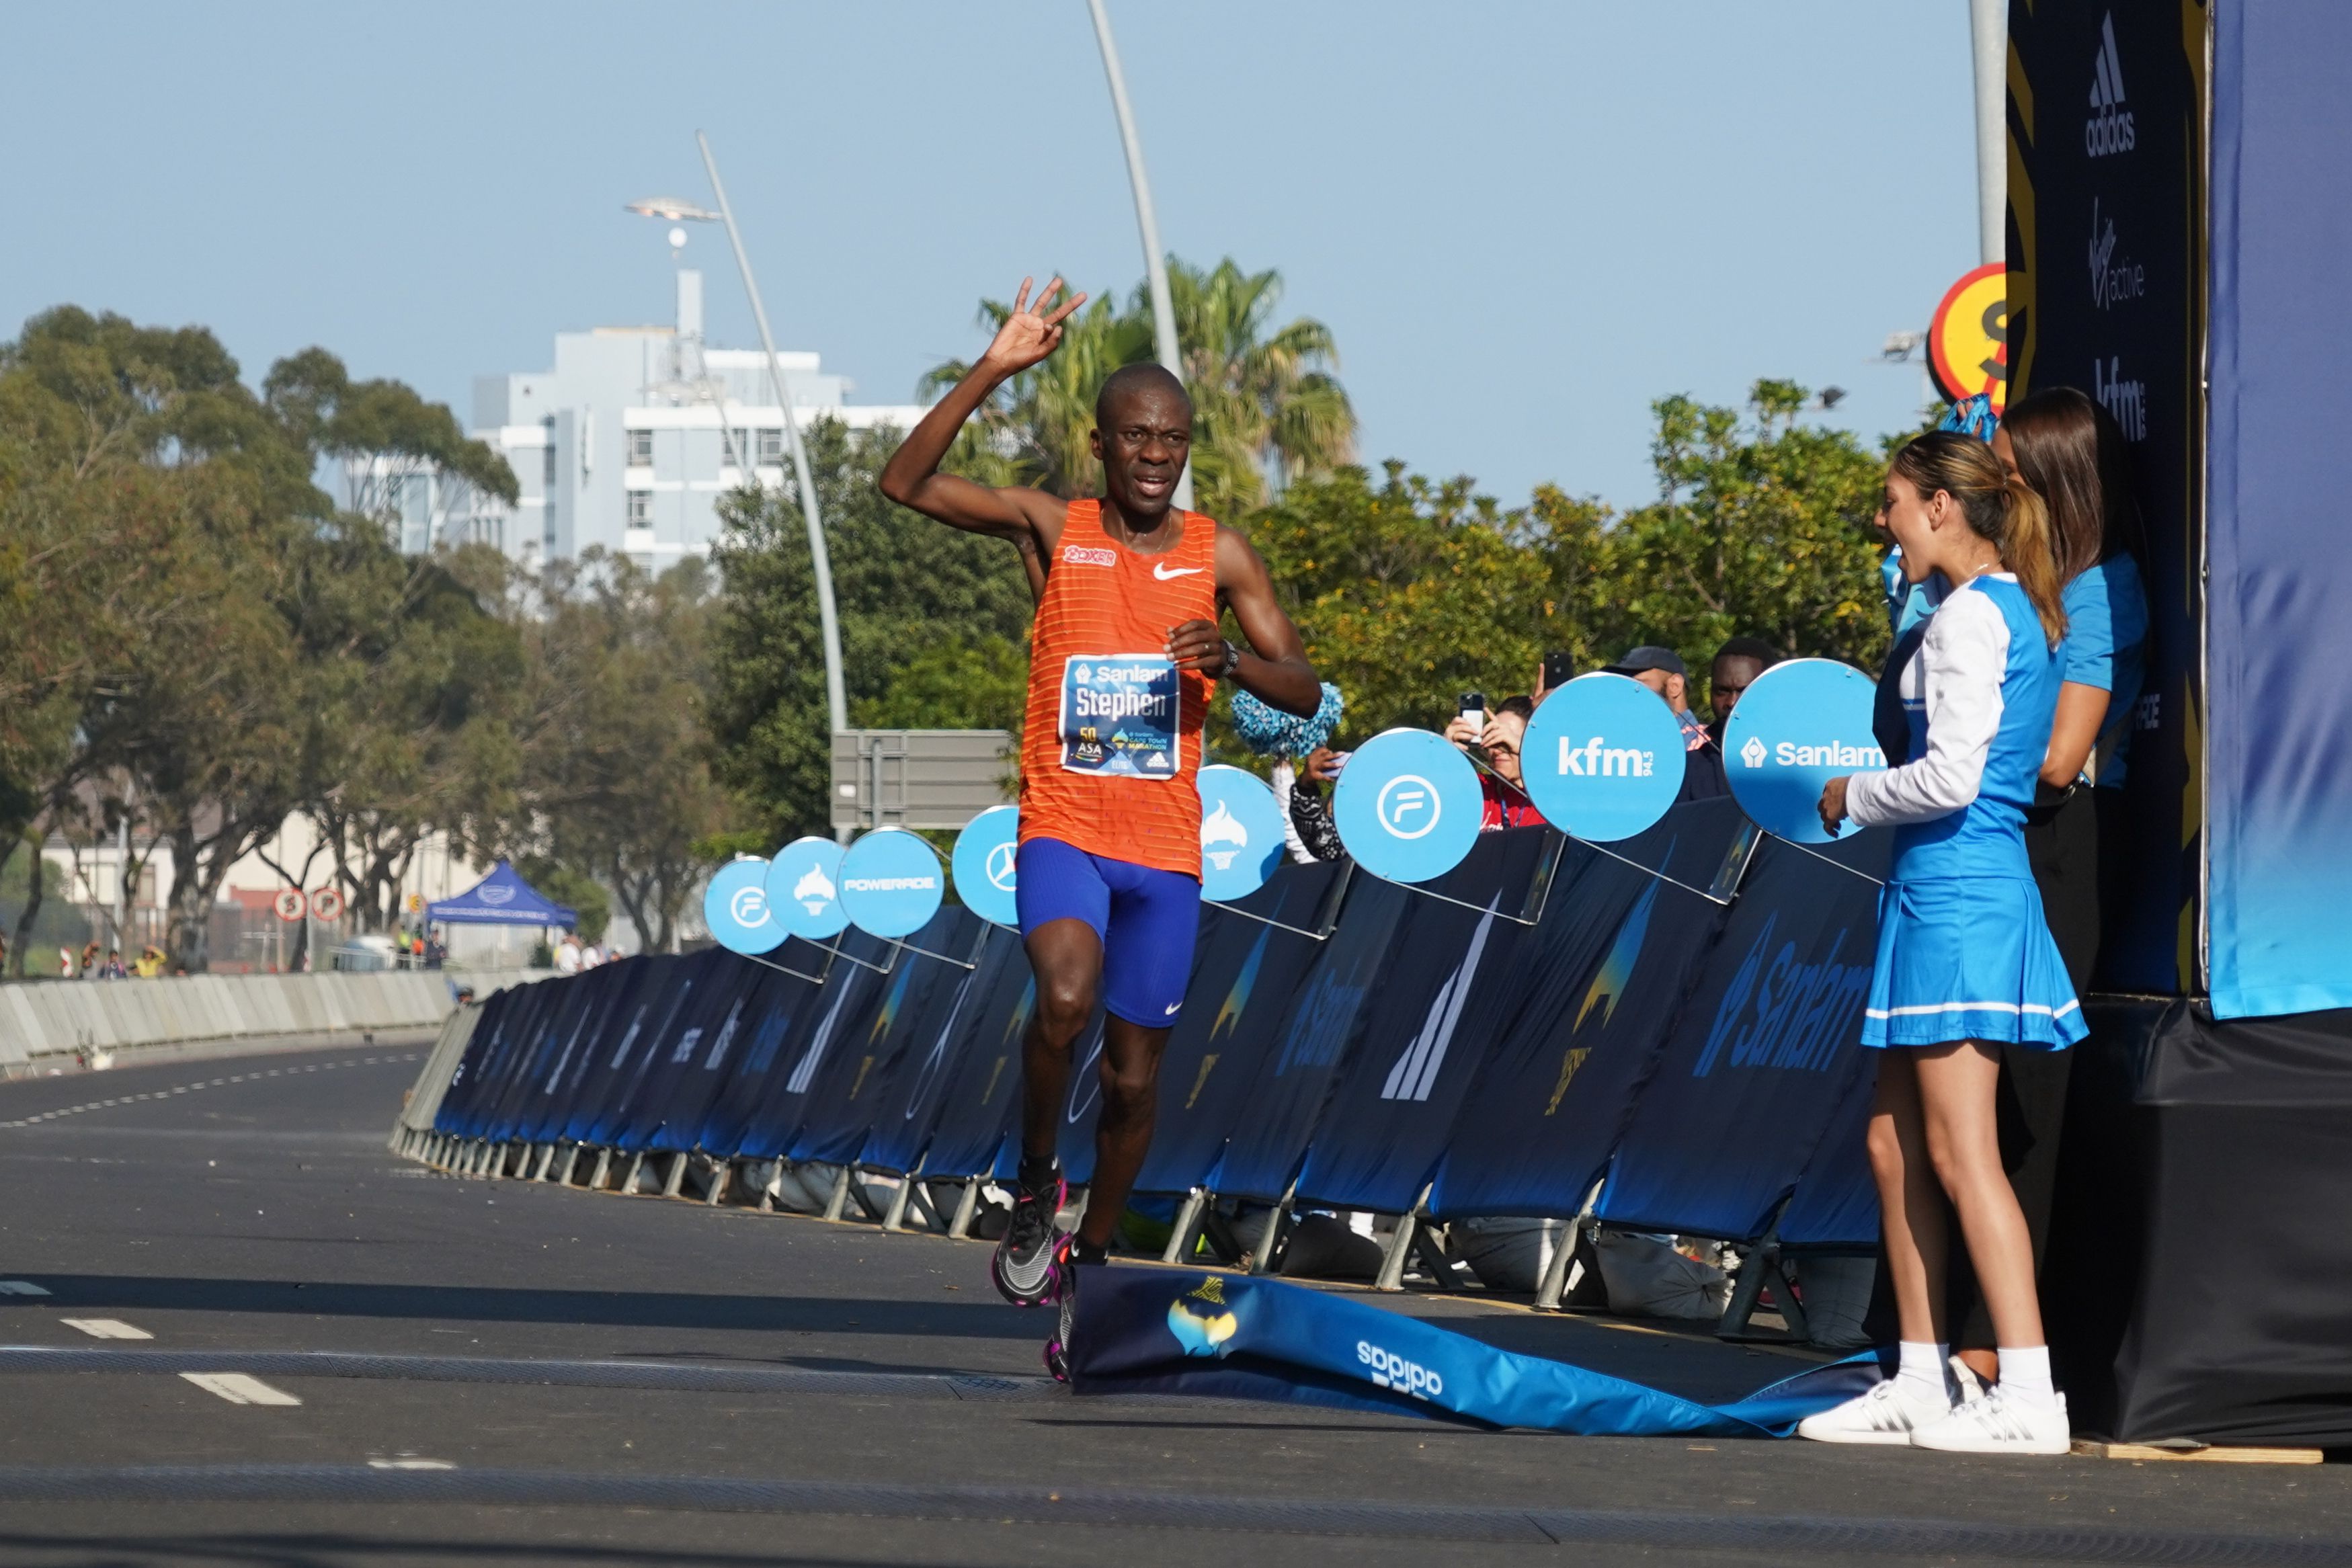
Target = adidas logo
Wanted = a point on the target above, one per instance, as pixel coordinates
(1416, 1070)
(1390, 1369)
(2109, 129)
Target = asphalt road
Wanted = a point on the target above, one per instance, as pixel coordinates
(719, 1387)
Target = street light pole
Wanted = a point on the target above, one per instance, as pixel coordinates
(828, 616)
(1155, 260)
(1989, 39)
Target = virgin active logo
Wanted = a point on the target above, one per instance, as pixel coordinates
(1604, 758)
(1390, 1369)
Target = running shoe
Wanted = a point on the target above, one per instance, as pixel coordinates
(1999, 1423)
(1057, 1349)
(1032, 1263)
(1889, 1413)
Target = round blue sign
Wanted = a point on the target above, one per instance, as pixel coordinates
(1801, 724)
(891, 883)
(1240, 832)
(982, 864)
(1408, 805)
(1602, 758)
(804, 889)
(735, 907)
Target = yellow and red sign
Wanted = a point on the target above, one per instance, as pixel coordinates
(1968, 341)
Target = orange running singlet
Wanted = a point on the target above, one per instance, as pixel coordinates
(1110, 748)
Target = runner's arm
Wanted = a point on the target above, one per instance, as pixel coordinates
(912, 477)
(1274, 667)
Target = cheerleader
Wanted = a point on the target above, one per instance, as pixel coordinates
(1965, 964)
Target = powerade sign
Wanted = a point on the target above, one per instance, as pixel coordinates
(804, 888)
(1801, 724)
(891, 883)
(1604, 758)
(984, 865)
(1408, 806)
(735, 908)
(1240, 832)
(1119, 714)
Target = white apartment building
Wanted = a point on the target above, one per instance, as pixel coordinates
(630, 440)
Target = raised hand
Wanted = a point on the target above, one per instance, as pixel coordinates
(1029, 334)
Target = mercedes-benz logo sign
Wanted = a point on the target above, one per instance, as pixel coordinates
(1001, 861)
(1404, 798)
(750, 907)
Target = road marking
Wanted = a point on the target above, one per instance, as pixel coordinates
(106, 1328)
(20, 1288)
(239, 1388)
(410, 1465)
(185, 1088)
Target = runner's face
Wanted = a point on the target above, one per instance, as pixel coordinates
(1143, 444)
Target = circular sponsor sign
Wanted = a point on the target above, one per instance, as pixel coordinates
(891, 883)
(326, 904)
(1799, 725)
(289, 904)
(803, 883)
(1240, 832)
(735, 907)
(1604, 758)
(1968, 339)
(1408, 806)
(982, 864)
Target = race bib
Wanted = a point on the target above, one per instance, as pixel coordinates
(1119, 714)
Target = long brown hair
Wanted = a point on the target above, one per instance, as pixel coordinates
(2069, 449)
(1999, 507)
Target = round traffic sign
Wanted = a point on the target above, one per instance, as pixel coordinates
(326, 904)
(1240, 832)
(1408, 805)
(982, 864)
(1604, 758)
(890, 883)
(804, 885)
(1968, 338)
(735, 907)
(1799, 725)
(289, 904)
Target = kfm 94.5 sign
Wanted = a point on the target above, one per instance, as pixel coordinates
(1604, 758)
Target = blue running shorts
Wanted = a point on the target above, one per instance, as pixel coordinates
(1145, 920)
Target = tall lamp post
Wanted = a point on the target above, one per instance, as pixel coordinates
(1988, 44)
(828, 614)
(1155, 259)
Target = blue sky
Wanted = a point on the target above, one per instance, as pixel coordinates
(1523, 221)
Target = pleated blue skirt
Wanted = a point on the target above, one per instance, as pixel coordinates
(1969, 958)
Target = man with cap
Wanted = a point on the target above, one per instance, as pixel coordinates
(1663, 671)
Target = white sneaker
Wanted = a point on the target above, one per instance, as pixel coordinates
(1887, 1414)
(1995, 1423)
(1965, 1378)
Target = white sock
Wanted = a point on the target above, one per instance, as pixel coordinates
(1922, 1374)
(2025, 1374)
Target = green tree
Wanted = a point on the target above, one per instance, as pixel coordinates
(917, 601)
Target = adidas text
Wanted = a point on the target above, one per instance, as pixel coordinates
(1391, 1370)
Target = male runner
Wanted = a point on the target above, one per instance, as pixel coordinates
(1123, 657)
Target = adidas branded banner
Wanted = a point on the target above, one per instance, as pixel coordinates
(1177, 1332)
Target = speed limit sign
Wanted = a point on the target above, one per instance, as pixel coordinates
(289, 904)
(326, 904)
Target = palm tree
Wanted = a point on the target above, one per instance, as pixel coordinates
(1266, 405)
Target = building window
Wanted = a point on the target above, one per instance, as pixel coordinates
(772, 448)
(547, 468)
(641, 448)
(641, 508)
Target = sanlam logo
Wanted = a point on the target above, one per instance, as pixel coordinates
(1784, 1012)
(1753, 753)
(1416, 1070)
(2109, 129)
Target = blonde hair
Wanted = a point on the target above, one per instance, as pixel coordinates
(2000, 508)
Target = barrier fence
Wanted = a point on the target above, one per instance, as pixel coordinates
(54, 1020)
(1672, 1022)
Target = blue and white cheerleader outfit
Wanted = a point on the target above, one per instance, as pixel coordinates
(1964, 951)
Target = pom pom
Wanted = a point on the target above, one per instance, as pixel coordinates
(1270, 732)
(1972, 415)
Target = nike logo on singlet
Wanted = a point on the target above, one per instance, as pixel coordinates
(1164, 572)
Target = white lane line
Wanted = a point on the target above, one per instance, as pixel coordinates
(20, 1288)
(188, 1088)
(410, 1463)
(238, 1388)
(106, 1328)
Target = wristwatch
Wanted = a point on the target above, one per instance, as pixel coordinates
(1232, 660)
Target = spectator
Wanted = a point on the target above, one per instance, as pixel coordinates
(436, 950)
(567, 954)
(1663, 671)
(1498, 737)
(1737, 664)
